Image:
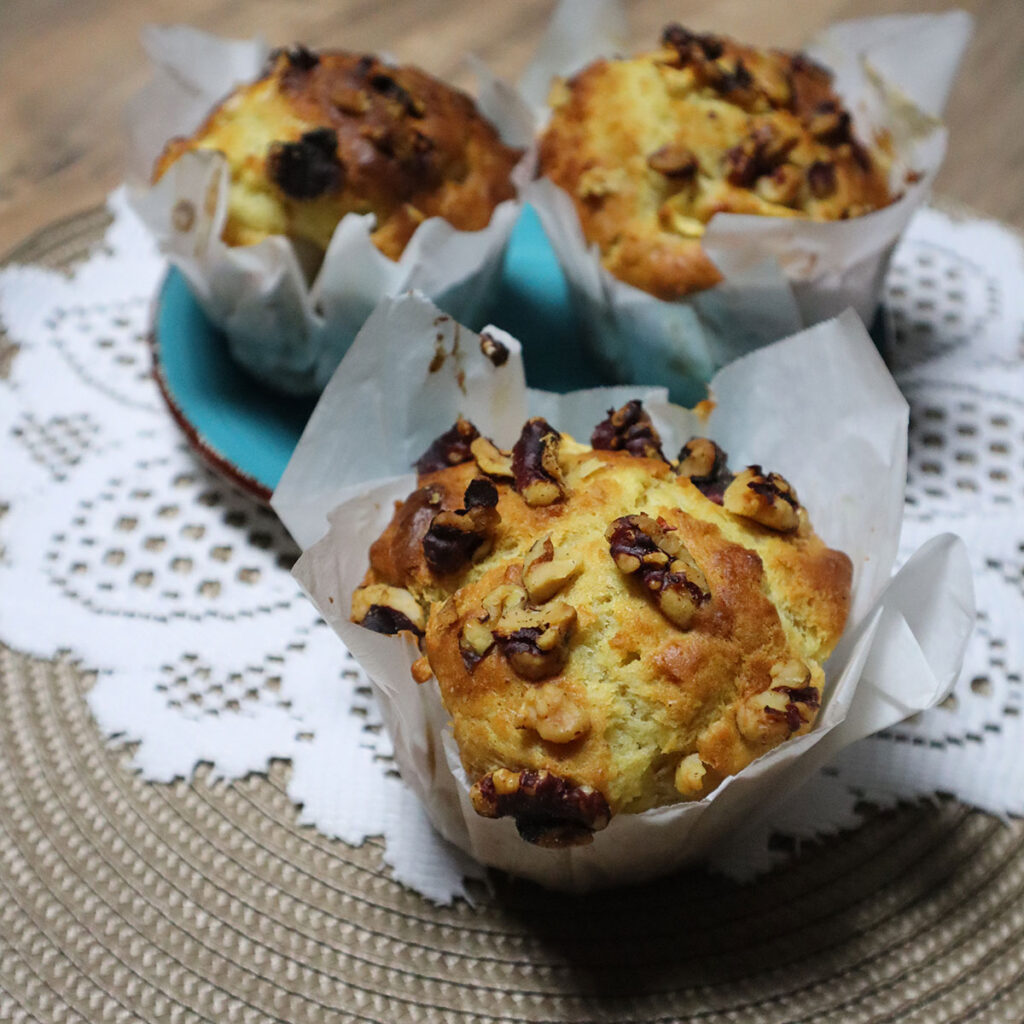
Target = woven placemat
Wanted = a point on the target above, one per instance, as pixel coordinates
(128, 901)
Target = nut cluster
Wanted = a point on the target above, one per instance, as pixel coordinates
(454, 539)
(760, 161)
(534, 641)
(549, 810)
(785, 706)
(766, 498)
(651, 551)
(513, 626)
(760, 153)
(628, 429)
(712, 67)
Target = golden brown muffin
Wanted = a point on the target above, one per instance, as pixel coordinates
(650, 148)
(322, 135)
(610, 631)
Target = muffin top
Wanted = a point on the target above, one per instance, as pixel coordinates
(651, 147)
(610, 630)
(325, 134)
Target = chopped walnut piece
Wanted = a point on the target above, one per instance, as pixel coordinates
(648, 549)
(674, 161)
(535, 464)
(829, 123)
(549, 810)
(783, 708)
(450, 449)
(763, 150)
(691, 45)
(455, 539)
(541, 651)
(553, 714)
(689, 777)
(761, 718)
(781, 186)
(387, 87)
(588, 468)
(705, 464)
(421, 670)
(730, 75)
(766, 498)
(491, 459)
(349, 101)
(628, 429)
(534, 641)
(480, 493)
(821, 179)
(790, 675)
(475, 641)
(543, 574)
(855, 210)
(597, 182)
(300, 57)
(386, 609)
(740, 166)
(682, 224)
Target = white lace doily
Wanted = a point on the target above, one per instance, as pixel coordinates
(117, 546)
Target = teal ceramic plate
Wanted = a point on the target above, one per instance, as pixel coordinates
(248, 432)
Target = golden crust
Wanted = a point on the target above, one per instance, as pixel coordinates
(405, 147)
(650, 148)
(633, 694)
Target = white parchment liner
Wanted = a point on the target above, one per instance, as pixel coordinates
(780, 274)
(818, 407)
(286, 332)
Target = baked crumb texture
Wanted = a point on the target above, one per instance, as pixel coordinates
(323, 135)
(651, 147)
(611, 629)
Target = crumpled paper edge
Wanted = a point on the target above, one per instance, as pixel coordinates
(828, 416)
(287, 333)
(780, 274)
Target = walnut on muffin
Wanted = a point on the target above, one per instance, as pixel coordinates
(320, 135)
(649, 148)
(611, 630)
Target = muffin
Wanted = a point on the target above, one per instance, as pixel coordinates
(649, 148)
(610, 630)
(320, 135)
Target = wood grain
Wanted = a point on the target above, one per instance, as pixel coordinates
(67, 70)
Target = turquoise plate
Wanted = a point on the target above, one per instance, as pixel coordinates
(248, 432)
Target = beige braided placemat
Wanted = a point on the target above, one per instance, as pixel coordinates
(128, 901)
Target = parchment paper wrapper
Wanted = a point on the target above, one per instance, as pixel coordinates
(819, 407)
(780, 274)
(287, 332)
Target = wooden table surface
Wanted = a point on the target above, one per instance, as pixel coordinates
(68, 67)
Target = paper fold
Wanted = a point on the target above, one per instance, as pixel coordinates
(818, 407)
